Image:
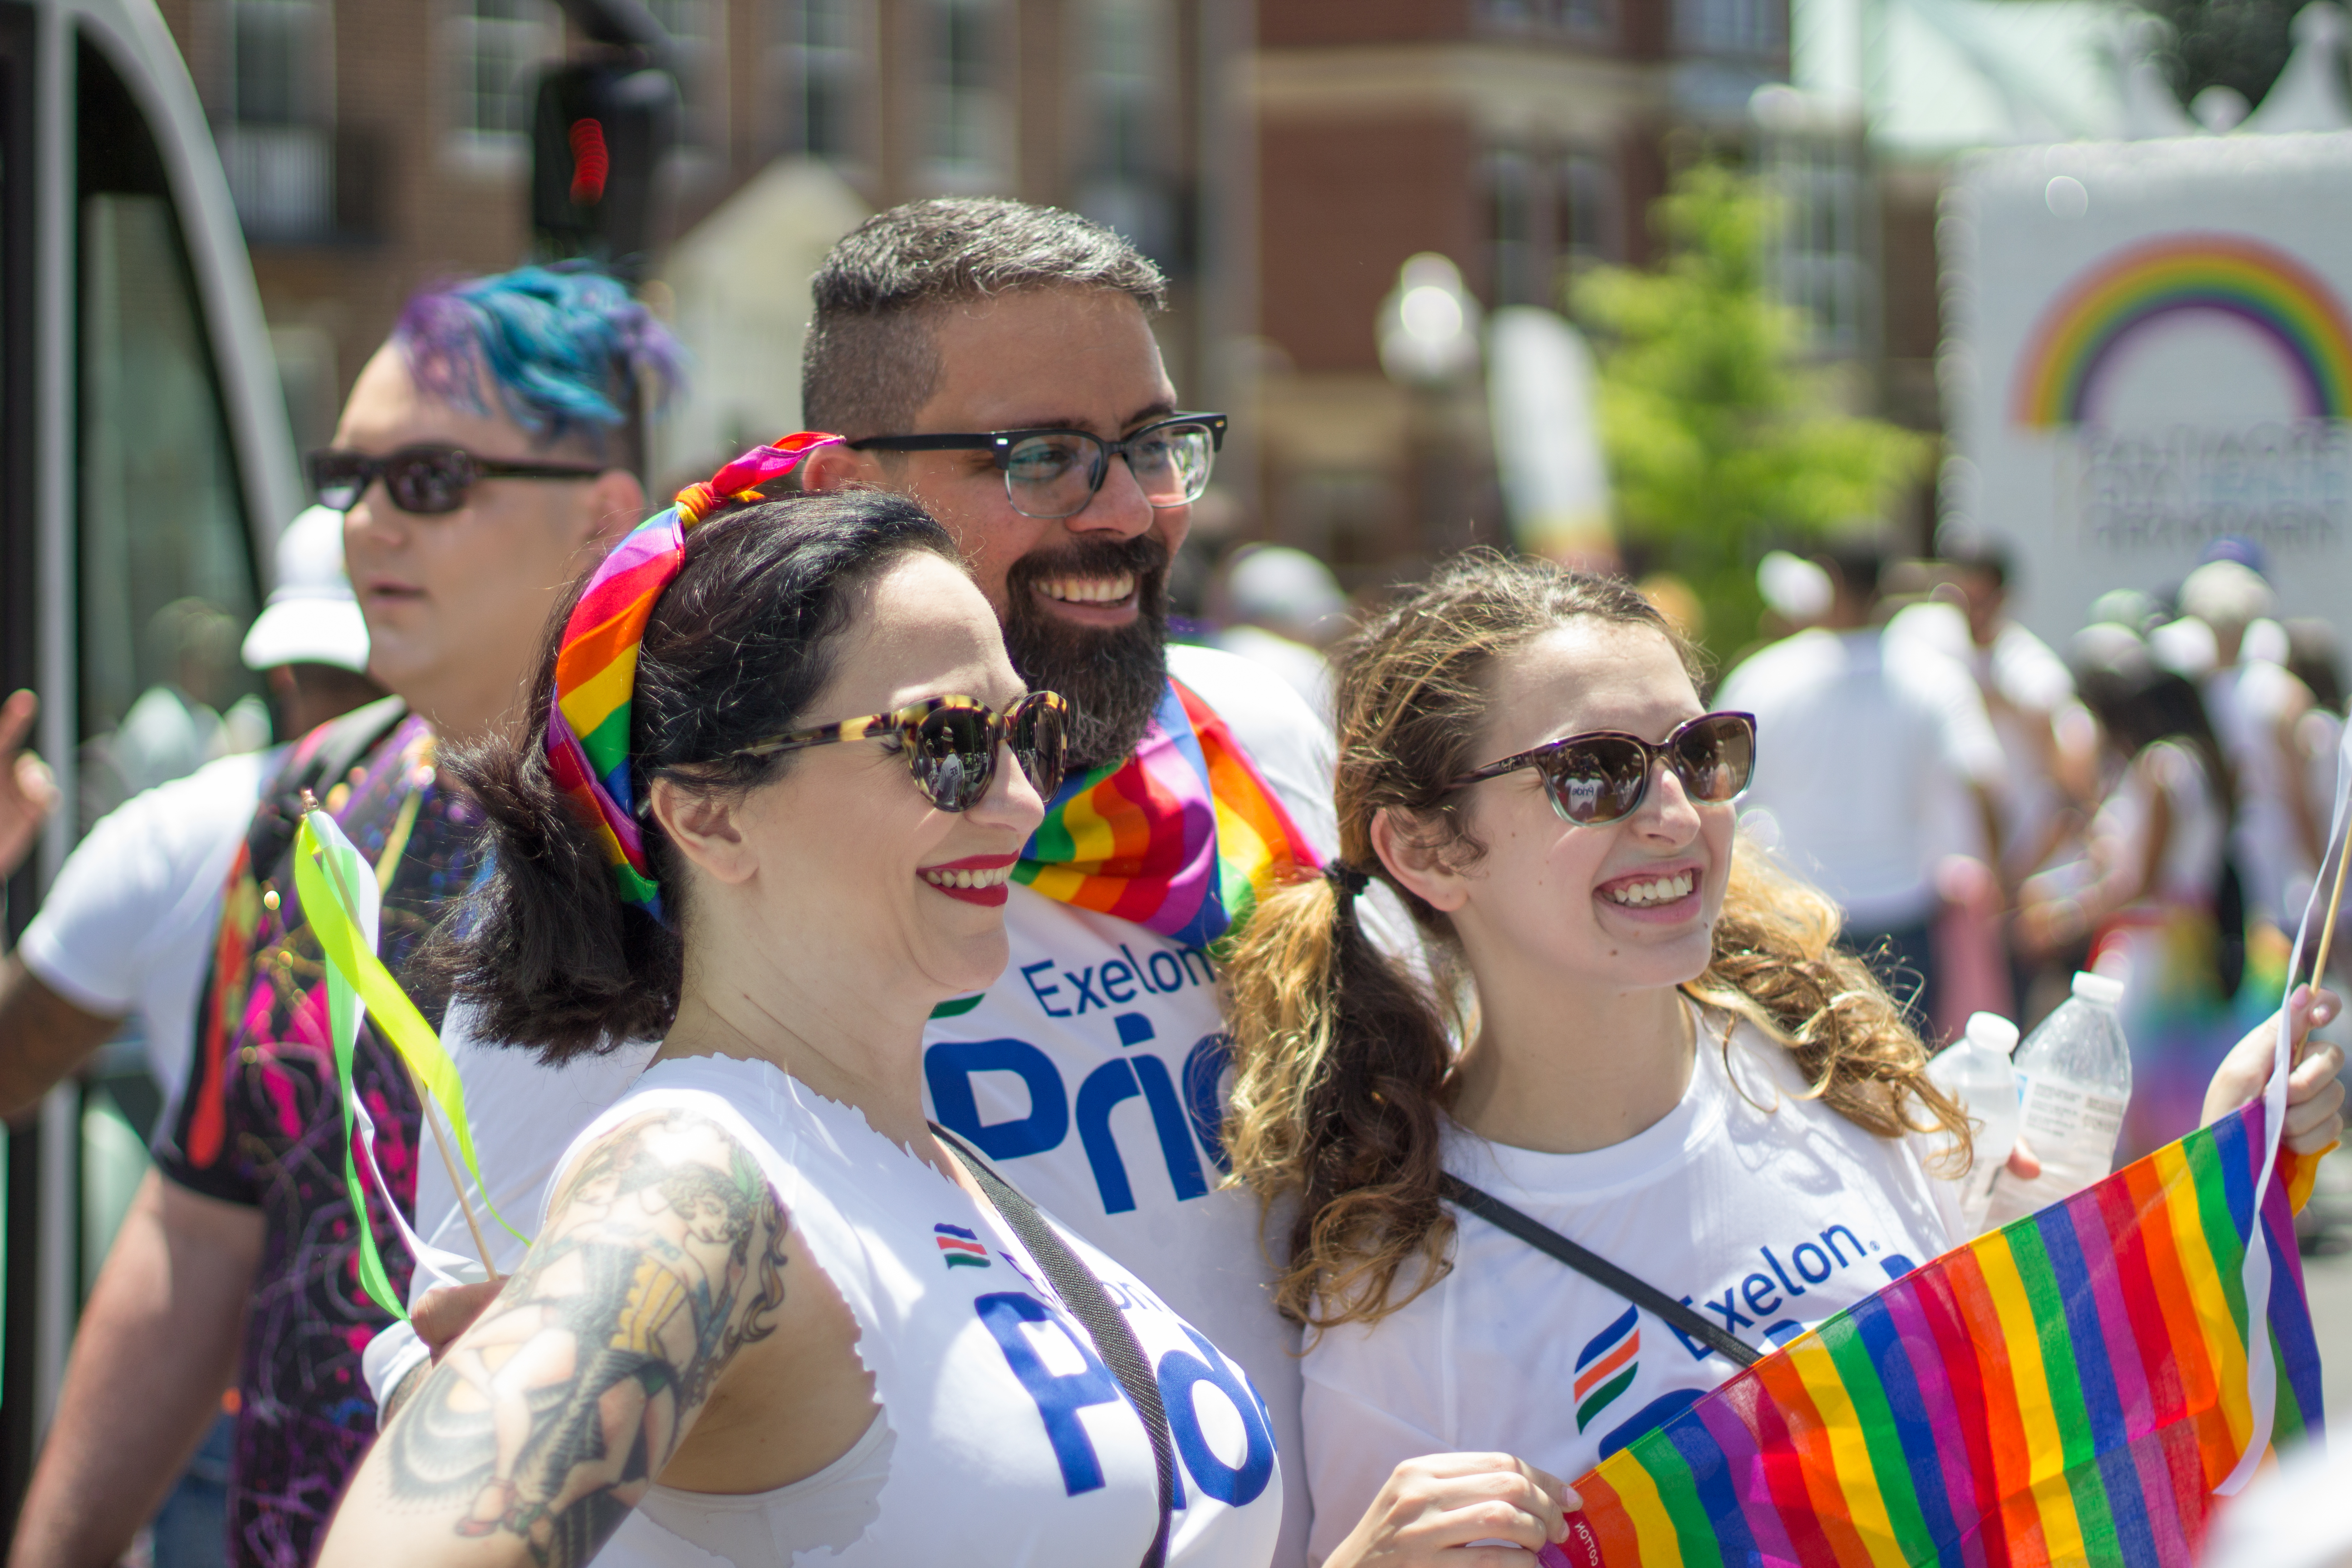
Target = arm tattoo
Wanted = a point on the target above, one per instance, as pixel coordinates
(553, 1414)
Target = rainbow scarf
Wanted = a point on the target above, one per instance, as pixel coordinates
(1182, 838)
(596, 669)
(2072, 1388)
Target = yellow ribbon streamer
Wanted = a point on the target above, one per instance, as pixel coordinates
(327, 905)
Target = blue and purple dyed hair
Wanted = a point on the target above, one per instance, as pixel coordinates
(563, 345)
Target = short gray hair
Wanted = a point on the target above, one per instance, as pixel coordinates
(869, 364)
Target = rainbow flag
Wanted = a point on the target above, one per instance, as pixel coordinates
(1182, 838)
(2073, 1388)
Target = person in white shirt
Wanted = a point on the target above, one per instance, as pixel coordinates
(2148, 893)
(1282, 607)
(770, 1312)
(124, 933)
(2255, 705)
(1669, 1061)
(1878, 748)
(983, 356)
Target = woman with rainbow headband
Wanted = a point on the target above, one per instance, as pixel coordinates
(777, 772)
(1668, 1061)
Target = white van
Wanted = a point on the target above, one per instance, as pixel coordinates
(145, 460)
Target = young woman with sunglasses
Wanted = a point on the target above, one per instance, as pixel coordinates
(1665, 1059)
(777, 771)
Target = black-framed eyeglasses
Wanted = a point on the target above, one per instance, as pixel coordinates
(1602, 777)
(1055, 473)
(950, 744)
(430, 480)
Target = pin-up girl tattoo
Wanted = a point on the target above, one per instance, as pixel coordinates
(664, 1256)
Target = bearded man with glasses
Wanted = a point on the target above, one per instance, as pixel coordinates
(484, 459)
(995, 362)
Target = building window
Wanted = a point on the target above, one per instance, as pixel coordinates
(1518, 250)
(276, 145)
(1582, 19)
(1732, 26)
(494, 46)
(694, 26)
(824, 46)
(1547, 213)
(1821, 267)
(1123, 113)
(276, 76)
(966, 141)
(1590, 219)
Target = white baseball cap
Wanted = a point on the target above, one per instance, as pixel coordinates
(312, 616)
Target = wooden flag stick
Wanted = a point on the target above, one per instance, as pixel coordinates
(2335, 903)
(457, 1183)
(424, 1100)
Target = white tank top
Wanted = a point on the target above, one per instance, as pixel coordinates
(1003, 1437)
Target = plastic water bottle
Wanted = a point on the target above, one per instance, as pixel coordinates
(1975, 1070)
(2075, 1079)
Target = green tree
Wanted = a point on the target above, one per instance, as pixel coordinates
(1719, 441)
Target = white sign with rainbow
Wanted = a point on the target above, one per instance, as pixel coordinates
(2148, 348)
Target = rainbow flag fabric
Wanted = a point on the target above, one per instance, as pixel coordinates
(2073, 1388)
(1182, 838)
(596, 667)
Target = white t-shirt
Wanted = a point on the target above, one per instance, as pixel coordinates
(2250, 704)
(128, 927)
(1863, 744)
(1007, 1434)
(1090, 1074)
(2190, 870)
(1767, 1211)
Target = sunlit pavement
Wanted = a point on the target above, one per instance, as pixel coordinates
(2327, 1274)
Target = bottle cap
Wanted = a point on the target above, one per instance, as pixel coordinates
(1992, 1032)
(2098, 988)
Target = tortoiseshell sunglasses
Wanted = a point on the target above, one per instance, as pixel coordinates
(950, 744)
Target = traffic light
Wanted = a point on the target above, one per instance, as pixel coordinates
(600, 130)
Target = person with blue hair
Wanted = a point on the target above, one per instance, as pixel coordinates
(487, 457)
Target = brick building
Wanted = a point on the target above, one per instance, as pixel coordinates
(1514, 137)
(1280, 159)
(373, 145)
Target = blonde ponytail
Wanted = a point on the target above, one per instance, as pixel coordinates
(1340, 1066)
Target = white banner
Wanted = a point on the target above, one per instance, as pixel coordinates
(2149, 347)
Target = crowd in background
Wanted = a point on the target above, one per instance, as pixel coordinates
(1988, 814)
(2149, 801)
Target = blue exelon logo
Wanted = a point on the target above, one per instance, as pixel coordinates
(1184, 1104)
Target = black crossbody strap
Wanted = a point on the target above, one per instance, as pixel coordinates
(1595, 1267)
(1083, 1294)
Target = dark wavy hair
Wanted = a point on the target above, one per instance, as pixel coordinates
(737, 648)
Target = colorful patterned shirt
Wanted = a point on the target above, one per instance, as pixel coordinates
(261, 1125)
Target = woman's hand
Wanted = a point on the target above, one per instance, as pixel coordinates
(2314, 1100)
(1432, 1508)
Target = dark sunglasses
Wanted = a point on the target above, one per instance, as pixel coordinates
(431, 480)
(1055, 473)
(950, 744)
(1604, 776)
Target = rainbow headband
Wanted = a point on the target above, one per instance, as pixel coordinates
(596, 668)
